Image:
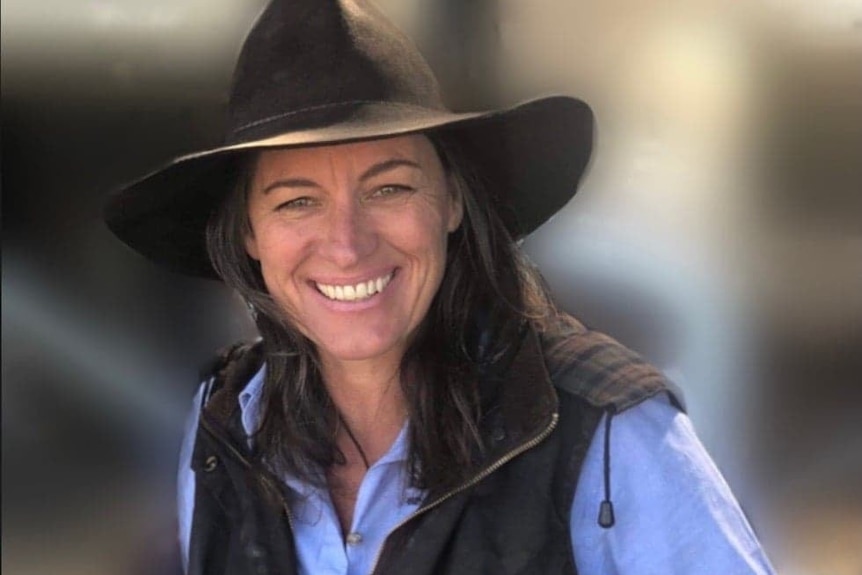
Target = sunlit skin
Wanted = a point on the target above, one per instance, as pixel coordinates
(344, 214)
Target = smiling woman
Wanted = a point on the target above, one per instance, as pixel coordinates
(342, 249)
(416, 402)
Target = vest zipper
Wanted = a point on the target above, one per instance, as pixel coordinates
(488, 471)
(242, 459)
(283, 502)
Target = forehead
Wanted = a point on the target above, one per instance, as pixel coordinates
(349, 157)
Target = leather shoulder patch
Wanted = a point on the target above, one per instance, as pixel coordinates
(230, 371)
(221, 358)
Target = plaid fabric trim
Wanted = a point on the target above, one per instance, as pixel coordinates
(598, 368)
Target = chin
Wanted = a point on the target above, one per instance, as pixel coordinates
(360, 349)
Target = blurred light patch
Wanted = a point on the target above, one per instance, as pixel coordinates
(90, 432)
(119, 377)
(827, 20)
(135, 45)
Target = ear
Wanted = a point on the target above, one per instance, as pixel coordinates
(251, 246)
(456, 206)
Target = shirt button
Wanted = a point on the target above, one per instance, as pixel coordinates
(354, 538)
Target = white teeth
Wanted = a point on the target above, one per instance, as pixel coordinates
(360, 291)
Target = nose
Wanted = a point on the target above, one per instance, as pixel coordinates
(350, 235)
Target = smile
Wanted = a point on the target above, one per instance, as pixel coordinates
(356, 292)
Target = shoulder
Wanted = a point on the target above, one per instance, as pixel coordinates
(228, 359)
(594, 366)
(674, 511)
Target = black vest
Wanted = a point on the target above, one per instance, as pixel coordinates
(511, 517)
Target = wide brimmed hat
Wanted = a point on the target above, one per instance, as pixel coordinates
(327, 71)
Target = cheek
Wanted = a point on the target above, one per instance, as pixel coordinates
(279, 250)
(428, 240)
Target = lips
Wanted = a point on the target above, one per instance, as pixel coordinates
(354, 292)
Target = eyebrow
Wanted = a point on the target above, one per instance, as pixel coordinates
(387, 165)
(371, 172)
(289, 183)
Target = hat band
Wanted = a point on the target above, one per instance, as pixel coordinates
(354, 112)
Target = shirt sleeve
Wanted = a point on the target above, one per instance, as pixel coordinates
(186, 479)
(674, 512)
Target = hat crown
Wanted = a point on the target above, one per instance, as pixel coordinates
(306, 60)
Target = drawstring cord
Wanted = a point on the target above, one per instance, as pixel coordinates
(353, 440)
(606, 509)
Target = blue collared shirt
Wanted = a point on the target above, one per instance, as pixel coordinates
(674, 511)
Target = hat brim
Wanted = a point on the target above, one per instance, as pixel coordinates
(530, 157)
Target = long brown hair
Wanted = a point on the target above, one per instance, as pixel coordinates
(488, 291)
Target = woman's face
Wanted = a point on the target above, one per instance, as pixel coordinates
(351, 240)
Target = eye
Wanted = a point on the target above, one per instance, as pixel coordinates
(390, 190)
(296, 204)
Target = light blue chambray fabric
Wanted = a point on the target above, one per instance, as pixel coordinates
(674, 511)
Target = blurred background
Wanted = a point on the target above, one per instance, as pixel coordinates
(719, 233)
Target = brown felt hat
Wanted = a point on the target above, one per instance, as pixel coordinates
(327, 71)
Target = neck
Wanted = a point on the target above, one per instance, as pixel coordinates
(368, 396)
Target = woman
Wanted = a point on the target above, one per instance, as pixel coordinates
(416, 404)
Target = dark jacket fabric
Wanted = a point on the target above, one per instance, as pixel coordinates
(510, 517)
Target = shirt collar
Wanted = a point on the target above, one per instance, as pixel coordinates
(249, 402)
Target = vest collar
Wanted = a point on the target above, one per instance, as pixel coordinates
(518, 398)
